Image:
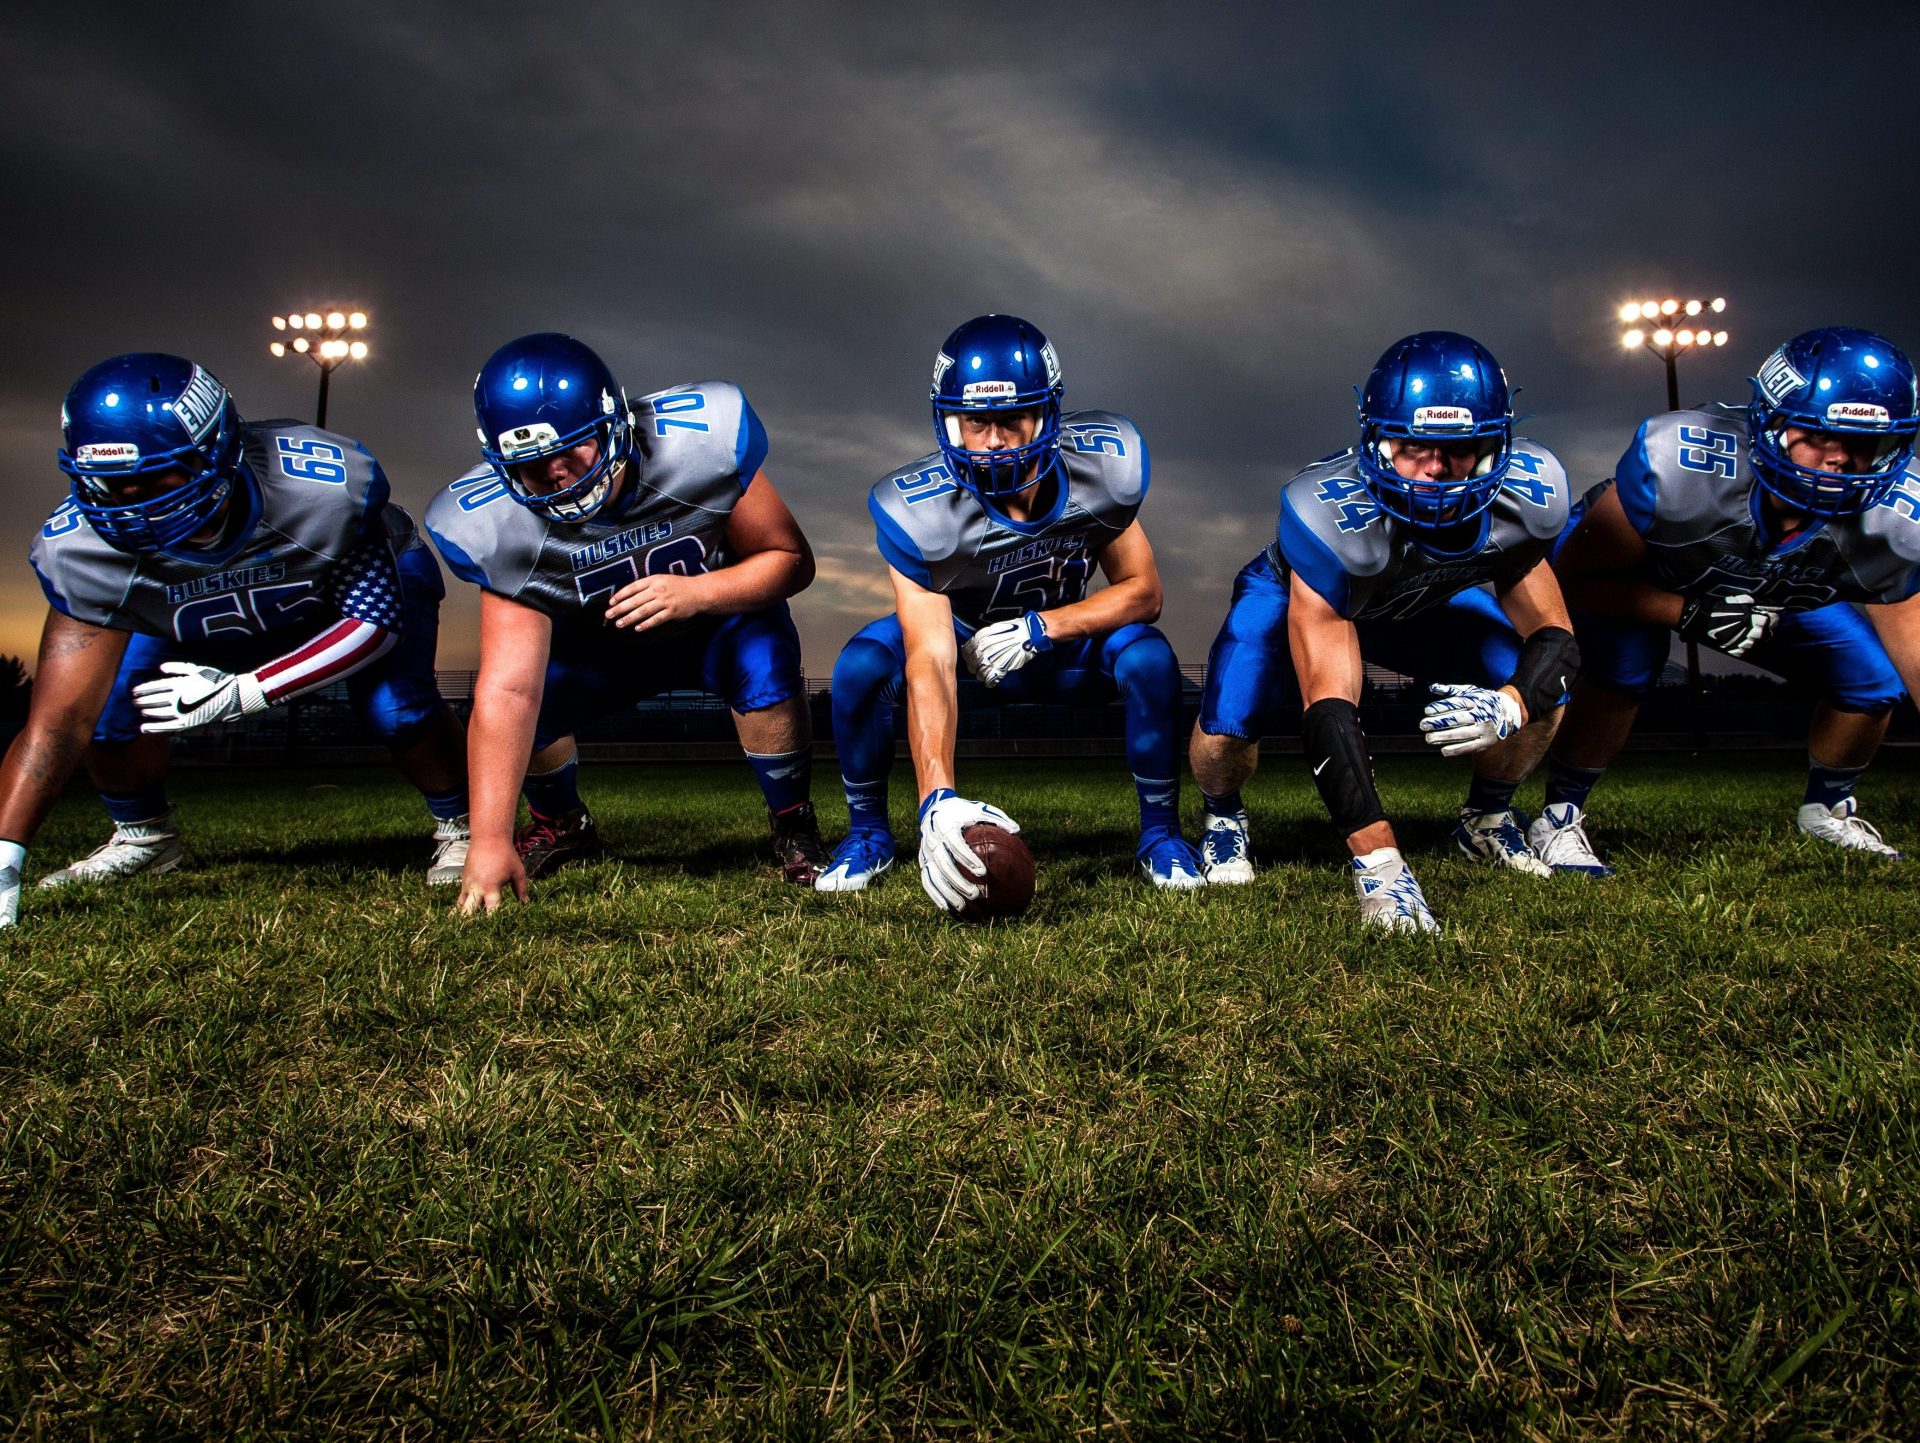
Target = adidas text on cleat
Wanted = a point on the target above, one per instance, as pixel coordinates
(1842, 826)
(796, 844)
(1169, 861)
(135, 849)
(1495, 839)
(1558, 838)
(548, 843)
(451, 839)
(1226, 857)
(861, 857)
(1389, 895)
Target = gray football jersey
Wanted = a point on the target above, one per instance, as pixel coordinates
(322, 499)
(1369, 565)
(697, 449)
(1688, 489)
(935, 531)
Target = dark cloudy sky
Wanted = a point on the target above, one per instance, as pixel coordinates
(1219, 213)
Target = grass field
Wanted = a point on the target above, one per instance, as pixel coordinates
(679, 1151)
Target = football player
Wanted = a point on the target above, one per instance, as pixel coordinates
(622, 551)
(989, 543)
(1786, 533)
(204, 569)
(1423, 548)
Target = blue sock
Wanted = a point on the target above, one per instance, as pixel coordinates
(1224, 805)
(445, 806)
(1570, 784)
(143, 806)
(786, 778)
(1830, 786)
(1148, 679)
(1485, 794)
(1159, 803)
(555, 793)
(866, 806)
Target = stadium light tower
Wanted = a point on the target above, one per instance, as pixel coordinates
(1664, 329)
(325, 338)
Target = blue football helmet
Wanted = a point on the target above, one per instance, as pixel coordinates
(129, 423)
(997, 363)
(1841, 381)
(542, 395)
(1436, 387)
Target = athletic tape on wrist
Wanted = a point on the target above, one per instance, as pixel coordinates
(1337, 754)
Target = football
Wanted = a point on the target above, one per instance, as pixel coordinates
(1010, 873)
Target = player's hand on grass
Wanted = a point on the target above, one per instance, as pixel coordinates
(950, 872)
(188, 695)
(656, 600)
(493, 871)
(1467, 719)
(993, 653)
(12, 856)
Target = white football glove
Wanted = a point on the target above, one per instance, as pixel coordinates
(1469, 719)
(190, 696)
(12, 856)
(996, 652)
(950, 873)
(1734, 625)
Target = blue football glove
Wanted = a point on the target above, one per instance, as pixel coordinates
(1468, 719)
(996, 652)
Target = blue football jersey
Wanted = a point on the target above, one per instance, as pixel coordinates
(1368, 564)
(323, 527)
(935, 531)
(1688, 488)
(698, 448)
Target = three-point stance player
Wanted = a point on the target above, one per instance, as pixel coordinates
(622, 551)
(1384, 552)
(989, 543)
(204, 569)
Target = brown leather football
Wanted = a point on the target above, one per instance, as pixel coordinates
(1010, 873)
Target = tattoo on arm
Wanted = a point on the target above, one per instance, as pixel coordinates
(72, 639)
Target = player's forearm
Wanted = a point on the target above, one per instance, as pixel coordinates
(754, 582)
(1622, 595)
(338, 652)
(499, 742)
(36, 768)
(1137, 599)
(932, 718)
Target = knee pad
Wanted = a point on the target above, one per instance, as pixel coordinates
(397, 708)
(866, 673)
(1144, 661)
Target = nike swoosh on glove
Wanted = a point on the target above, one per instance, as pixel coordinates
(995, 652)
(1467, 719)
(950, 873)
(1733, 625)
(189, 695)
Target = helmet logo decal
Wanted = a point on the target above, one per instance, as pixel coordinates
(1778, 377)
(198, 407)
(1859, 413)
(975, 391)
(1459, 416)
(108, 453)
(1052, 363)
(942, 363)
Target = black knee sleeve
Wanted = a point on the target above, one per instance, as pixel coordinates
(1337, 753)
(1549, 661)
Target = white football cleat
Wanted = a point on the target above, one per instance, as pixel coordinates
(1844, 827)
(134, 849)
(1226, 857)
(1495, 838)
(862, 856)
(451, 839)
(1558, 838)
(1389, 895)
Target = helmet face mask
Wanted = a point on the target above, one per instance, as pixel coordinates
(1442, 390)
(153, 451)
(997, 366)
(1836, 382)
(540, 397)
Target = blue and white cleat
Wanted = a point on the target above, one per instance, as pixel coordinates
(1558, 838)
(861, 857)
(1495, 839)
(1842, 826)
(1389, 895)
(1169, 861)
(1226, 857)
